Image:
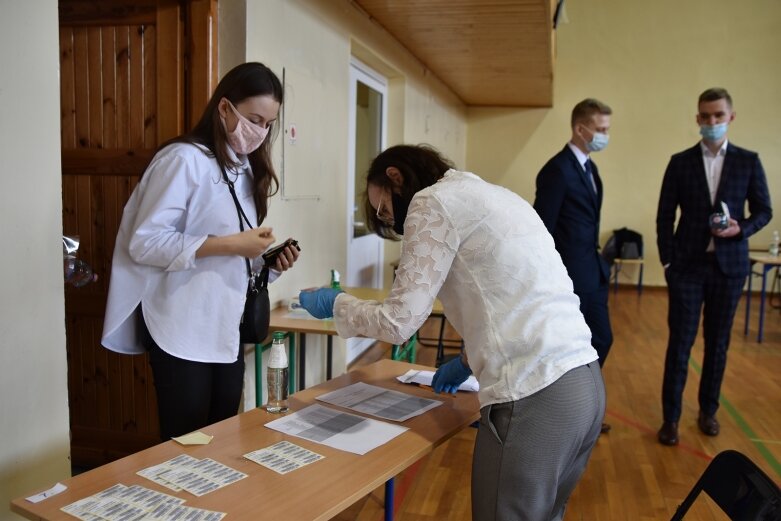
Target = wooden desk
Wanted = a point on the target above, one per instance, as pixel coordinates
(316, 492)
(282, 321)
(768, 262)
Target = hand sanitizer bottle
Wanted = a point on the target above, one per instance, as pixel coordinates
(277, 375)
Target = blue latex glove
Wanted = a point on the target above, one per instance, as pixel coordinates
(319, 302)
(450, 375)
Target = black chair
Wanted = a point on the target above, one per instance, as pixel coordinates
(623, 248)
(739, 487)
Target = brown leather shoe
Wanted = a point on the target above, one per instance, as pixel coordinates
(605, 428)
(709, 425)
(668, 434)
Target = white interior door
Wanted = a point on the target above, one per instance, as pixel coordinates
(368, 107)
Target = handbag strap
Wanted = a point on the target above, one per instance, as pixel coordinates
(242, 220)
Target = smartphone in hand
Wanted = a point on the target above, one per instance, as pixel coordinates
(270, 256)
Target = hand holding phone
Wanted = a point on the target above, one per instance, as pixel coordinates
(270, 256)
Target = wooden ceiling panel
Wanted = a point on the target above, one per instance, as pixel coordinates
(489, 52)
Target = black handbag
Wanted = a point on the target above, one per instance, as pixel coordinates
(253, 328)
(257, 310)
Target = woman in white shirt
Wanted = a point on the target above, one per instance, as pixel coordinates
(485, 253)
(179, 273)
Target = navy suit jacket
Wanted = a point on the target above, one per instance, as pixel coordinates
(568, 206)
(685, 187)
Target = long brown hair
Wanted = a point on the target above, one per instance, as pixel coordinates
(243, 81)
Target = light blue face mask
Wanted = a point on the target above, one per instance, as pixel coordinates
(598, 142)
(713, 132)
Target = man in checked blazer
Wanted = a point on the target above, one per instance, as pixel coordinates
(706, 266)
(569, 199)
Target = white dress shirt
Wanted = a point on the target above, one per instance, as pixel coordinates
(582, 158)
(191, 306)
(714, 164)
(486, 254)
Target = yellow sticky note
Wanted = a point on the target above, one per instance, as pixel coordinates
(194, 438)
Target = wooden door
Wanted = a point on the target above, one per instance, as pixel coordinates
(125, 87)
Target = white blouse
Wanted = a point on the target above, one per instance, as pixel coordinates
(191, 306)
(485, 253)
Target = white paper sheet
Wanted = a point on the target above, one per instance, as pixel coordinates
(337, 429)
(424, 378)
(283, 457)
(380, 402)
(56, 489)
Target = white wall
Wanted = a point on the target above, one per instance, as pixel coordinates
(34, 411)
(316, 58)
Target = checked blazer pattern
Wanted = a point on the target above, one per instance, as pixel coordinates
(695, 283)
(685, 187)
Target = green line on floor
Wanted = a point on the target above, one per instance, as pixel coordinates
(744, 426)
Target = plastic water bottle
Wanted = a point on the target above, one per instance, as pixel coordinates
(77, 272)
(276, 375)
(774, 244)
(335, 284)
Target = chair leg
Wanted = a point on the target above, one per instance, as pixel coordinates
(640, 281)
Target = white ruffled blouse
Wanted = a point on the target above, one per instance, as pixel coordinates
(485, 253)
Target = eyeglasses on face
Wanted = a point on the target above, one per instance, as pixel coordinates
(382, 213)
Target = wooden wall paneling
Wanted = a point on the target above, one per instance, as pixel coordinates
(150, 88)
(75, 379)
(170, 71)
(95, 89)
(113, 211)
(113, 162)
(109, 87)
(67, 94)
(201, 57)
(123, 85)
(136, 93)
(97, 254)
(80, 87)
(89, 390)
(101, 375)
(106, 12)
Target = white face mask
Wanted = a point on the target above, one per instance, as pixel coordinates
(247, 136)
(599, 140)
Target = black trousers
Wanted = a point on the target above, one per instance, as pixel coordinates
(192, 395)
(702, 289)
(593, 305)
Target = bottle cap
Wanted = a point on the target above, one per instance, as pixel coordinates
(279, 335)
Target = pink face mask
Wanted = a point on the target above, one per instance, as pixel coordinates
(247, 136)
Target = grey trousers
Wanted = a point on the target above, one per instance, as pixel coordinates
(530, 453)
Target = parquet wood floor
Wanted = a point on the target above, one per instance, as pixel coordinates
(630, 475)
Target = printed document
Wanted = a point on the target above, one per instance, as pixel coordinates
(337, 429)
(378, 401)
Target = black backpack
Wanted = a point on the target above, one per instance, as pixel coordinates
(623, 244)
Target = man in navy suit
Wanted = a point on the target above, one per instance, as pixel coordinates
(569, 199)
(705, 264)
